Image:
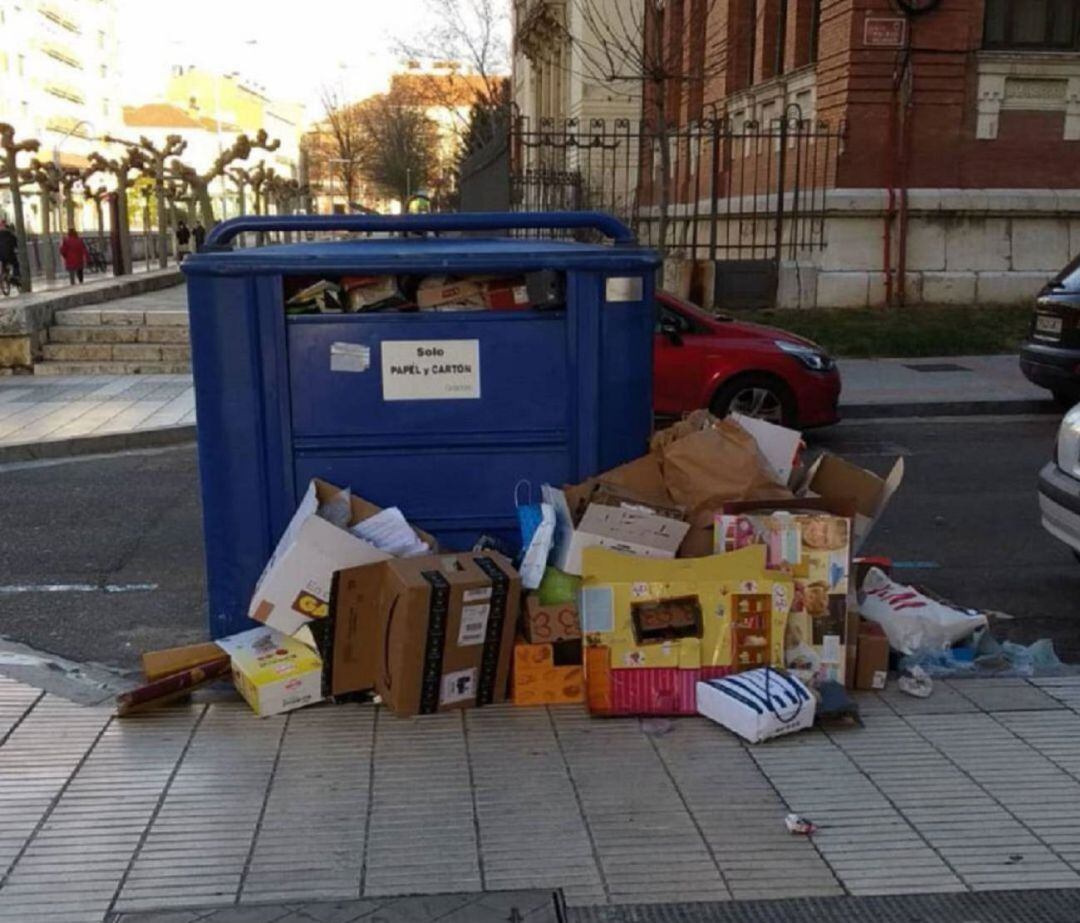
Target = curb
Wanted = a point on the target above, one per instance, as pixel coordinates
(948, 409)
(104, 444)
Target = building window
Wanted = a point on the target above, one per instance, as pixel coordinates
(24, 107)
(1052, 25)
(21, 65)
(104, 71)
(815, 31)
(105, 108)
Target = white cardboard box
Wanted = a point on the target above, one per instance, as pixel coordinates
(295, 584)
(626, 530)
(758, 704)
(273, 672)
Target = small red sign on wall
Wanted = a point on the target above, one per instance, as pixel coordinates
(884, 31)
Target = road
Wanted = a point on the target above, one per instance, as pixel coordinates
(965, 524)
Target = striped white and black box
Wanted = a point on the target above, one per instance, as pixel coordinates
(758, 704)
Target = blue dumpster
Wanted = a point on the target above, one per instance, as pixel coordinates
(553, 395)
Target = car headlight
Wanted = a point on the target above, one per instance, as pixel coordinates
(1068, 443)
(812, 357)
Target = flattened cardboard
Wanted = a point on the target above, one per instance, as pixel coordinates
(159, 664)
(295, 585)
(626, 530)
(549, 624)
(548, 674)
(431, 633)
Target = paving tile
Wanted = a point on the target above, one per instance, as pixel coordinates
(1003, 694)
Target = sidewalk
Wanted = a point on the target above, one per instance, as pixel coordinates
(974, 789)
(41, 416)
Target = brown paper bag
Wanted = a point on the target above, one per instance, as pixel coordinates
(715, 465)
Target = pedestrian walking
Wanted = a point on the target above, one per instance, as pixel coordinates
(183, 240)
(199, 233)
(75, 255)
(9, 252)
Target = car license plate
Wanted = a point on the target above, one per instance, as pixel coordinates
(1047, 327)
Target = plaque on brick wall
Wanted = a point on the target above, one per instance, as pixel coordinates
(884, 31)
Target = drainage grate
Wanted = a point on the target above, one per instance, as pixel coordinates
(937, 367)
(490, 907)
(984, 907)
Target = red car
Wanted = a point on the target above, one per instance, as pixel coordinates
(714, 361)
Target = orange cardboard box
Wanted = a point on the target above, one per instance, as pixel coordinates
(549, 624)
(548, 674)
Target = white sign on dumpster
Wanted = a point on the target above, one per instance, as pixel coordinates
(430, 370)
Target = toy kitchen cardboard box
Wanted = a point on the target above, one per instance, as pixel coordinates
(428, 633)
(653, 628)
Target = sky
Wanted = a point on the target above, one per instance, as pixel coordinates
(292, 48)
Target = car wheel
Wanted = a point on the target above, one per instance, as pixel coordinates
(759, 396)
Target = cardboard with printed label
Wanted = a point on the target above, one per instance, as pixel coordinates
(548, 674)
(654, 628)
(295, 585)
(619, 528)
(872, 664)
(810, 539)
(431, 633)
(549, 624)
(273, 672)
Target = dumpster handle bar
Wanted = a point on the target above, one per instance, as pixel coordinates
(224, 232)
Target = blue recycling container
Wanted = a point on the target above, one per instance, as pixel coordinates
(438, 413)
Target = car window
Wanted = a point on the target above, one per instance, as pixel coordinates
(665, 317)
(1069, 277)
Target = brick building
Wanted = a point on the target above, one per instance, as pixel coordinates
(958, 176)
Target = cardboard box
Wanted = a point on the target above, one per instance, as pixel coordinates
(811, 541)
(654, 628)
(159, 664)
(273, 672)
(631, 531)
(478, 292)
(758, 705)
(872, 664)
(548, 674)
(779, 445)
(295, 585)
(549, 624)
(429, 633)
(835, 479)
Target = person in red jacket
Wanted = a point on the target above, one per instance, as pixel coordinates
(75, 255)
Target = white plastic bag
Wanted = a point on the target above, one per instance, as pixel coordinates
(911, 620)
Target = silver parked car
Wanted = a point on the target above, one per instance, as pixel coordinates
(1059, 485)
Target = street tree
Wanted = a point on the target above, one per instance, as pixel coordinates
(240, 150)
(334, 147)
(10, 149)
(121, 168)
(621, 44)
(47, 176)
(154, 158)
(472, 37)
(400, 146)
(69, 178)
(96, 195)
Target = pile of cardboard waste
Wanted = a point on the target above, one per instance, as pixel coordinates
(715, 574)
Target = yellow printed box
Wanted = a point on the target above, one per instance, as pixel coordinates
(653, 628)
(273, 672)
(812, 543)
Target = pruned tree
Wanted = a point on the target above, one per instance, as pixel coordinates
(399, 144)
(69, 178)
(121, 168)
(47, 177)
(154, 158)
(10, 149)
(96, 196)
(240, 150)
(334, 148)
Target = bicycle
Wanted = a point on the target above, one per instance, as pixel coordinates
(8, 279)
(96, 261)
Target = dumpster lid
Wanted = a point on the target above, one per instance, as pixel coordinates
(385, 253)
(422, 255)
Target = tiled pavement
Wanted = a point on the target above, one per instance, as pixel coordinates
(976, 788)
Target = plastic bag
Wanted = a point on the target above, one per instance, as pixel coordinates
(338, 509)
(537, 523)
(913, 621)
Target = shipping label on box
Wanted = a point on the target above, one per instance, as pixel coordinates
(814, 547)
(654, 628)
(273, 672)
(548, 674)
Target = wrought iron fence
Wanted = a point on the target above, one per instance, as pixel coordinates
(727, 189)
